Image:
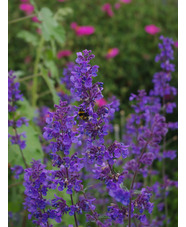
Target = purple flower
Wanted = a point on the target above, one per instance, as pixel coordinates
(147, 158)
(13, 92)
(14, 96)
(17, 170)
(120, 195)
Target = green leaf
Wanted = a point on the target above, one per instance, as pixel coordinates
(137, 192)
(91, 224)
(52, 67)
(50, 28)
(34, 4)
(124, 187)
(62, 13)
(19, 73)
(59, 34)
(33, 148)
(50, 84)
(28, 37)
(26, 109)
(103, 217)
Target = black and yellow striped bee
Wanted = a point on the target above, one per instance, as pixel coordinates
(83, 115)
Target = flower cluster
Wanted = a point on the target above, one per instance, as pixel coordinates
(14, 94)
(79, 151)
(82, 30)
(40, 120)
(17, 170)
(15, 121)
(108, 9)
(36, 186)
(146, 128)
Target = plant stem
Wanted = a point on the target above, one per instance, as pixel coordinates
(20, 19)
(12, 185)
(24, 160)
(24, 219)
(133, 180)
(75, 218)
(16, 134)
(43, 94)
(36, 64)
(164, 190)
(163, 170)
(28, 77)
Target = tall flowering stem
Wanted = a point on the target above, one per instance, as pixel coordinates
(166, 92)
(133, 180)
(14, 95)
(148, 109)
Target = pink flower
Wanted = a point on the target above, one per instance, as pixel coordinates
(63, 53)
(152, 29)
(126, 1)
(27, 8)
(82, 30)
(108, 9)
(176, 44)
(117, 5)
(101, 102)
(112, 53)
(36, 20)
(73, 25)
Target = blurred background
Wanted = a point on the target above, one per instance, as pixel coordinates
(123, 35)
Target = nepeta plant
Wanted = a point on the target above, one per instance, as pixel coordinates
(15, 121)
(80, 152)
(139, 125)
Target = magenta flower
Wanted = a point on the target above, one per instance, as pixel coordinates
(82, 30)
(176, 44)
(73, 25)
(112, 53)
(126, 1)
(27, 8)
(117, 5)
(101, 102)
(63, 53)
(108, 9)
(36, 20)
(152, 29)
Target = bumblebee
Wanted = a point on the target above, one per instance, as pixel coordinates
(83, 115)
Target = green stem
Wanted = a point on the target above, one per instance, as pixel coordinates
(16, 135)
(20, 19)
(13, 185)
(43, 94)
(28, 77)
(36, 67)
(133, 180)
(75, 218)
(163, 170)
